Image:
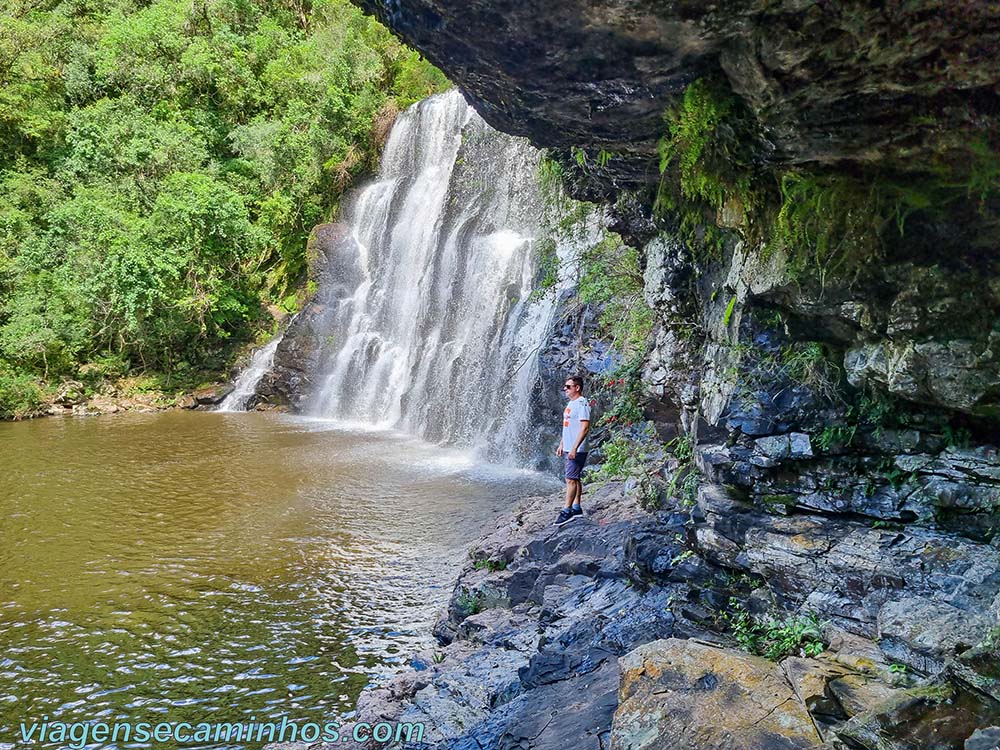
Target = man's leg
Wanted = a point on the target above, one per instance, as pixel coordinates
(578, 492)
(570, 491)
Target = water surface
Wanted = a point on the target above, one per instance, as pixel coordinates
(212, 567)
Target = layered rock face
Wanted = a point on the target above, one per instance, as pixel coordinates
(851, 81)
(844, 427)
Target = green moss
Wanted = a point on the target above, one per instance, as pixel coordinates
(706, 162)
(827, 223)
(935, 693)
(727, 316)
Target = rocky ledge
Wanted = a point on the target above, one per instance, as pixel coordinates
(617, 630)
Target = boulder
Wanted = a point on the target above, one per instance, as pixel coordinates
(683, 695)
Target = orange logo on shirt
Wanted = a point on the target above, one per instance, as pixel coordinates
(566, 414)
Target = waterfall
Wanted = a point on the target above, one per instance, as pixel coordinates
(246, 384)
(426, 320)
(439, 335)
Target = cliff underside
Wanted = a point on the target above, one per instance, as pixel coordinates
(801, 550)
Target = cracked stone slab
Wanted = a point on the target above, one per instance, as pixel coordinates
(685, 695)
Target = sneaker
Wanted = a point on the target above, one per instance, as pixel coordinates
(576, 510)
(565, 516)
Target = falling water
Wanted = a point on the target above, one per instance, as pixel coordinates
(439, 337)
(246, 384)
(429, 324)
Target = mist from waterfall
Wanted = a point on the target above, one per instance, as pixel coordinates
(439, 337)
(428, 321)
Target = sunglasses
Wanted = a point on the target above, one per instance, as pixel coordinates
(567, 387)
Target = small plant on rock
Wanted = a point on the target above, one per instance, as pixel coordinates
(493, 566)
(685, 479)
(775, 638)
(469, 603)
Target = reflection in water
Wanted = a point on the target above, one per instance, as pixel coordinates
(210, 567)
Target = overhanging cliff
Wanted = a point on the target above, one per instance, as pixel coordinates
(889, 83)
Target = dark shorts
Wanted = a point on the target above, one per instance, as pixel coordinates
(575, 465)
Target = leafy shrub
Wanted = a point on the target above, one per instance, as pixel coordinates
(775, 638)
(493, 566)
(20, 395)
(611, 277)
(469, 603)
(709, 145)
(828, 224)
(621, 458)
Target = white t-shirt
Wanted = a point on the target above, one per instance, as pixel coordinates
(576, 411)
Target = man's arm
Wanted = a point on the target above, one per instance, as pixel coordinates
(584, 429)
(559, 450)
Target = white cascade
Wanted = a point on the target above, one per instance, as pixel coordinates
(440, 335)
(246, 384)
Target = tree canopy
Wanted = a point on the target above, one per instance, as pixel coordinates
(163, 164)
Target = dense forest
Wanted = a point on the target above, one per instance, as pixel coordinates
(163, 164)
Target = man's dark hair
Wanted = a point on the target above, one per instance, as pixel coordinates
(577, 381)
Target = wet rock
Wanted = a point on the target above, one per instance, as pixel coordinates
(332, 256)
(935, 715)
(794, 445)
(99, 404)
(688, 696)
(857, 693)
(809, 679)
(856, 576)
(922, 633)
(571, 713)
(212, 395)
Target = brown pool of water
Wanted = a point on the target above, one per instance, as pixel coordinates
(212, 567)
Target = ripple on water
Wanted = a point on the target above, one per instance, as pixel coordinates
(197, 566)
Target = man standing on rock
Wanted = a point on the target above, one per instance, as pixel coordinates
(576, 425)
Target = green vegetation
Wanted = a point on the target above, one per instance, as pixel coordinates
(587, 163)
(707, 163)
(868, 412)
(611, 278)
(493, 566)
(809, 364)
(727, 316)
(622, 455)
(827, 223)
(20, 394)
(683, 483)
(708, 151)
(469, 603)
(164, 163)
(775, 638)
